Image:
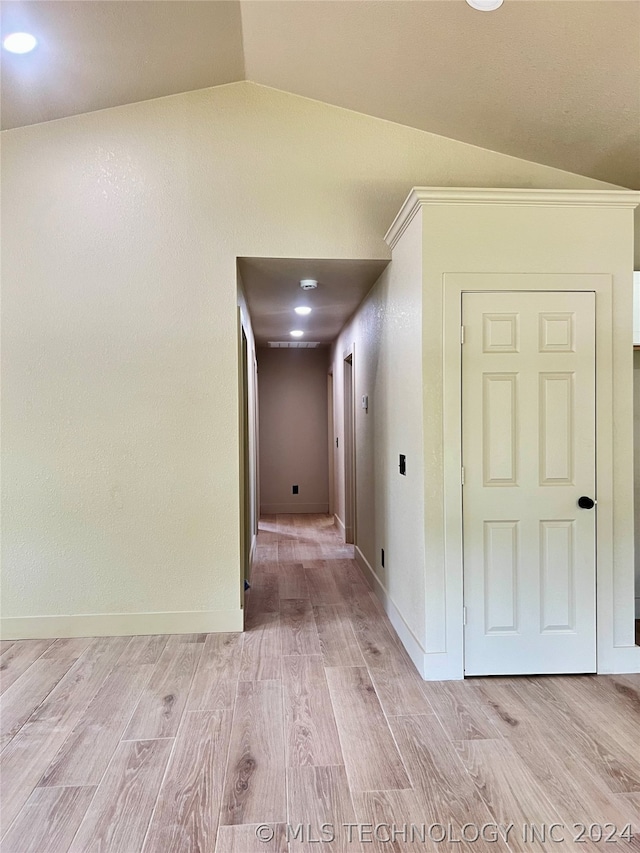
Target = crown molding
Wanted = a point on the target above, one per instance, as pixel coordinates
(420, 196)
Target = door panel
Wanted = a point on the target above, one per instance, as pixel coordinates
(528, 398)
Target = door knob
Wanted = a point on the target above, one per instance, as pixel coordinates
(586, 502)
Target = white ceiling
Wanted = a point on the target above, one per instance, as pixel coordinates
(549, 81)
(94, 54)
(272, 288)
(553, 81)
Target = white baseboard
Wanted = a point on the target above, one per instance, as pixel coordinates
(121, 624)
(431, 666)
(440, 666)
(404, 632)
(339, 524)
(252, 552)
(621, 659)
(287, 509)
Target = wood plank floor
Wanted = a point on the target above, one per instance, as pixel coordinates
(310, 731)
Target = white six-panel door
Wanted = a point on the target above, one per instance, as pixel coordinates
(528, 412)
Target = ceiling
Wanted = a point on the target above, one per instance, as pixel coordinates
(94, 54)
(272, 289)
(553, 81)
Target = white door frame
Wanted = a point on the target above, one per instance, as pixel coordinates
(331, 443)
(349, 449)
(244, 457)
(454, 285)
(533, 620)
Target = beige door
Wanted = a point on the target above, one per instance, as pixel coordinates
(528, 455)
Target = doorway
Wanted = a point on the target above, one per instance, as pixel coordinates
(331, 445)
(245, 485)
(349, 450)
(529, 475)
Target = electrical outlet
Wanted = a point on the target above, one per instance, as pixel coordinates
(294, 490)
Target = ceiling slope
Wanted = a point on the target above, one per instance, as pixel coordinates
(550, 81)
(545, 80)
(94, 54)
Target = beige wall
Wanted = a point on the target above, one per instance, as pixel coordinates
(414, 395)
(121, 230)
(579, 243)
(386, 335)
(292, 392)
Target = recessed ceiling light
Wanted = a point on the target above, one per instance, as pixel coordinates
(296, 333)
(302, 310)
(20, 42)
(485, 5)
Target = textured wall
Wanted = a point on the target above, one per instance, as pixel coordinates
(386, 334)
(120, 234)
(398, 335)
(292, 390)
(529, 239)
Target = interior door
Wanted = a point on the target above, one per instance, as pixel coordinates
(528, 455)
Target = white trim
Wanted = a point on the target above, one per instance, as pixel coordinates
(352, 505)
(432, 667)
(636, 308)
(420, 196)
(622, 659)
(252, 552)
(613, 655)
(404, 632)
(339, 524)
(288, 509)
(121, 624)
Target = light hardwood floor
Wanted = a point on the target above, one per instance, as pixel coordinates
(314, 716)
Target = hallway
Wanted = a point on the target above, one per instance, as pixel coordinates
(314, 716)
(366, 741)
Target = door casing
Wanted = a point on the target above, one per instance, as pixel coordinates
(331, 442)
(450, 662)
(516, 504)
(349, 451)
(245, 486)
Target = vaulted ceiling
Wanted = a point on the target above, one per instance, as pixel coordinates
(552, 81)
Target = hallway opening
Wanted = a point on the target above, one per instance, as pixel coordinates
(303, 456)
